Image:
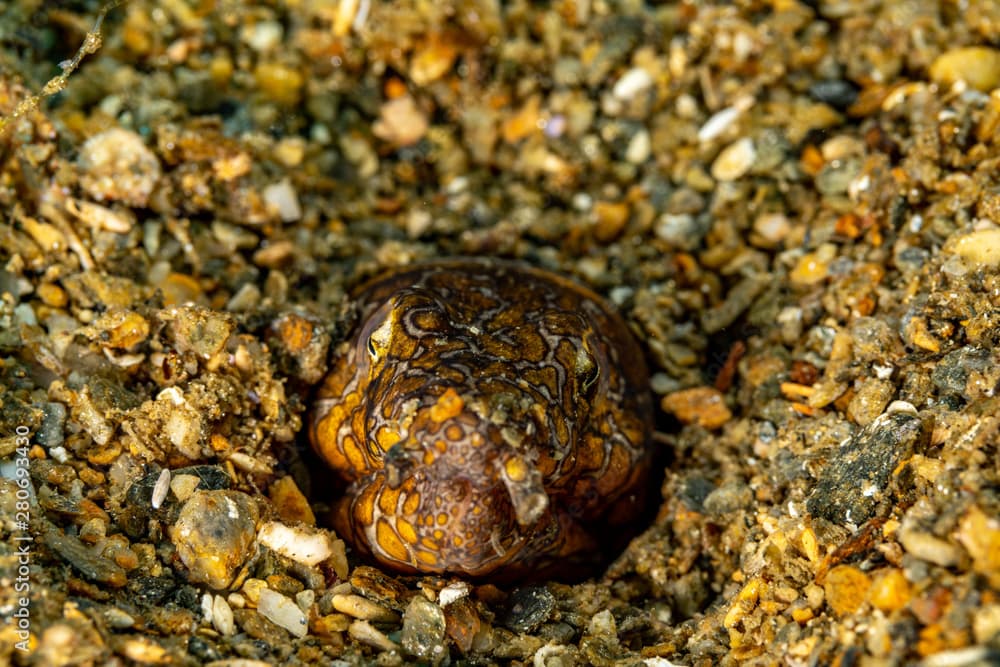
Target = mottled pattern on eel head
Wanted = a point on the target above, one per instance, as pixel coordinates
(488, 418)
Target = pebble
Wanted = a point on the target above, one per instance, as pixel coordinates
(89, 562)
(632, 83)
(120, 329)
(681, 230)
(160, 489)
(978, 66)
(523, 122)
(639, 148)
(275, 254)
(214, 535)
(423, 634)
(986, 623)
(927, 547)
(182, 423)
(718, 123)
(401, 122)
(527, 608)
(851, 485)
(870, 400)
(279, 83)
(811, 269)
(890, 591)
(838, 93)
(306, 598)
(100, 217)
(48, 237)
(144, 651)
(431, 60)
(705, 406)
(980, 249)
(771, 229)
(611, 218)
(365, 632)
(380, 587)
(198, 330)
(453, 592)
(728, 498)
(837, 176)
(246, 298)
(363, 608)
(180, 289)
(51, 432)
(309, 546)
(846, 589)
(292, 506)
(734, 161)
(463, 624)
(281, 196)
(116, 165)
(951, 375)
(262, 36)
(979, 533)
(283, 612)
(52, 295)
(118, 619)
(300, 343)
(222, 616)
(737, 301)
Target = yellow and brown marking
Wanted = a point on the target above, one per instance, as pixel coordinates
(488, 418)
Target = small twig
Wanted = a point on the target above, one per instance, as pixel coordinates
(91, 44)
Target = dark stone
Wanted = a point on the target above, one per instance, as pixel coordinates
(694, 491)
(855, 479)
(952, 373)
(527, 608)
(201, 649)
(150, 590)
(838, 93)
(213, 478)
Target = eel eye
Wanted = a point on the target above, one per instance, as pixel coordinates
(589, 378)
(587, 370)
(379, 339)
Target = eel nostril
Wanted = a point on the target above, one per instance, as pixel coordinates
(397, 462)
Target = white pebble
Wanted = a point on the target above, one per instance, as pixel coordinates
(901, 406)
(929, 548)
(718, 123)
(26, 314)
(772, 227)
(365, 632)
(116, 165)
(59, 454)
(282, 197)
(632, 83)
(735, 160)
(304, 545)
(281, 611)
(161, 488)
(980, 249)
(222, 617)
(639, 148)
(263, 36)
(172, 394)
(206, 607)
(363, 608)
(453, 592)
